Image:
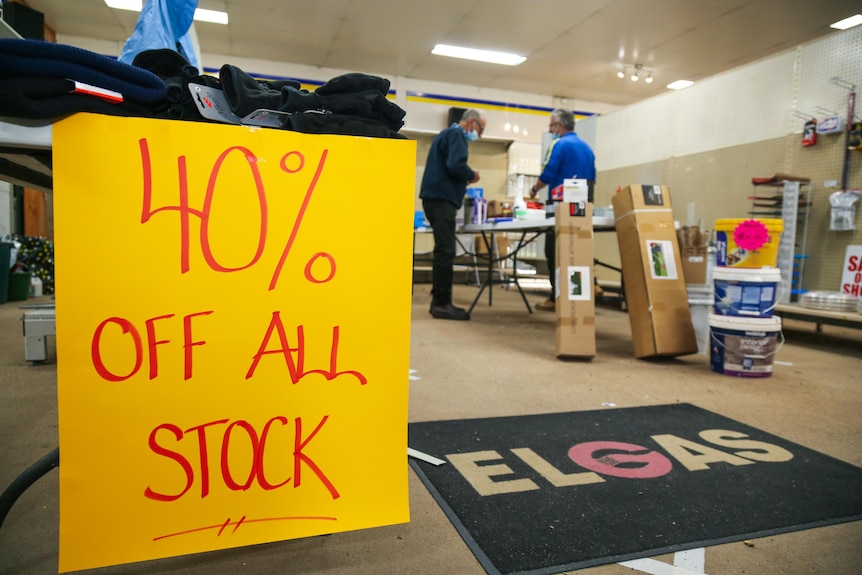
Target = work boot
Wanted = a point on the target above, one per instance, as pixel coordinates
(547, 305)
(449, 311)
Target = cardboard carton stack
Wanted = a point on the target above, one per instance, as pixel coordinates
(697, 270)
(655, 286)
(693, 244)
(575, 309)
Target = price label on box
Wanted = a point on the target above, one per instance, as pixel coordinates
(575, 190)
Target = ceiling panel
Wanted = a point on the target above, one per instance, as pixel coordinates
(574, 49)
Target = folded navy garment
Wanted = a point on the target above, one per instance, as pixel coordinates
(54, 98)
(39, 59)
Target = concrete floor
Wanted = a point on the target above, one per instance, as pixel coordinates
(499, 364)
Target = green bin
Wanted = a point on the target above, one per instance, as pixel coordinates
(19, 285)
(5, 264)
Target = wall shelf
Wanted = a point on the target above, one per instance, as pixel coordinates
(788, 200)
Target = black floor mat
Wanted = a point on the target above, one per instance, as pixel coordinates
(542, 494)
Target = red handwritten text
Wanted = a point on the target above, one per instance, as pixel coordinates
(296, 367)
(234, 479)
(290, 163)
(129, 329)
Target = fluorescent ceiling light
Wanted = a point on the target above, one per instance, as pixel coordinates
(847, 22)
(213, 16)
(200, 14)
(680, 84)
(125, 4)
(480, 55)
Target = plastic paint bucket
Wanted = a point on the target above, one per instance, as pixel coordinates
(744, 347)
(746, 292)
(748, 243)
(701, 301)
(700, 321)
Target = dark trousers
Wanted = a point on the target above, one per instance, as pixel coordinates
(551, 256)
(441, 215)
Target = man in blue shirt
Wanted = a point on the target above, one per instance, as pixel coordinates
(568, 157)
(444, 185)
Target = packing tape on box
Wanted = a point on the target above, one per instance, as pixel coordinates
(573, 322)
(650, 227)
(578, 233)
(639, 211)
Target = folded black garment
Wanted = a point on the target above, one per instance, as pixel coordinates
(245, 94)
(54, 98)
(39, 59)
(354, 82)
(354, 94)
(314, 123)
(370, 104)
(177, 73)
(373, 91)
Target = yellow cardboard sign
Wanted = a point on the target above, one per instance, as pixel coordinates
(233, 334)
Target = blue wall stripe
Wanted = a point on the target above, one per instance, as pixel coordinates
(425, 96)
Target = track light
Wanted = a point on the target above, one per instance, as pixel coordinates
(635, 74)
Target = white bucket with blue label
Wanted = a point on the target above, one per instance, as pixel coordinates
(744, 347)
(746, 292)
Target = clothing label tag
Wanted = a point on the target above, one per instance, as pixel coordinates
(212, 104)
(104, 93)
(266, 118)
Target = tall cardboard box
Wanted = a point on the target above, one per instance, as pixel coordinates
(652, 272)
(576, 309)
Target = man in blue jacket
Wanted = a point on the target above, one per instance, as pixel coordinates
(568, 157)
(444, 185)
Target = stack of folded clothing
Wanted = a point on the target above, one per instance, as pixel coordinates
(44, 80)
(352, 103)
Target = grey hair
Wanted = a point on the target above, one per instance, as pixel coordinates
(564, 117)
(472, 114)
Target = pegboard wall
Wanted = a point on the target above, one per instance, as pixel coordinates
(747, 123)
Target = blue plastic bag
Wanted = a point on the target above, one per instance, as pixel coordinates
(163, 24)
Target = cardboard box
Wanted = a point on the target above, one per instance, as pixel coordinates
(499, 209)
(655, 289)
(694, 264)
(479, 247)
(576, 308)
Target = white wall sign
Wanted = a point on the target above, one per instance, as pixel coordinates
(851, 277)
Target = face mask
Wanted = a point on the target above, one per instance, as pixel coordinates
(472, 136)
(555, 136)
